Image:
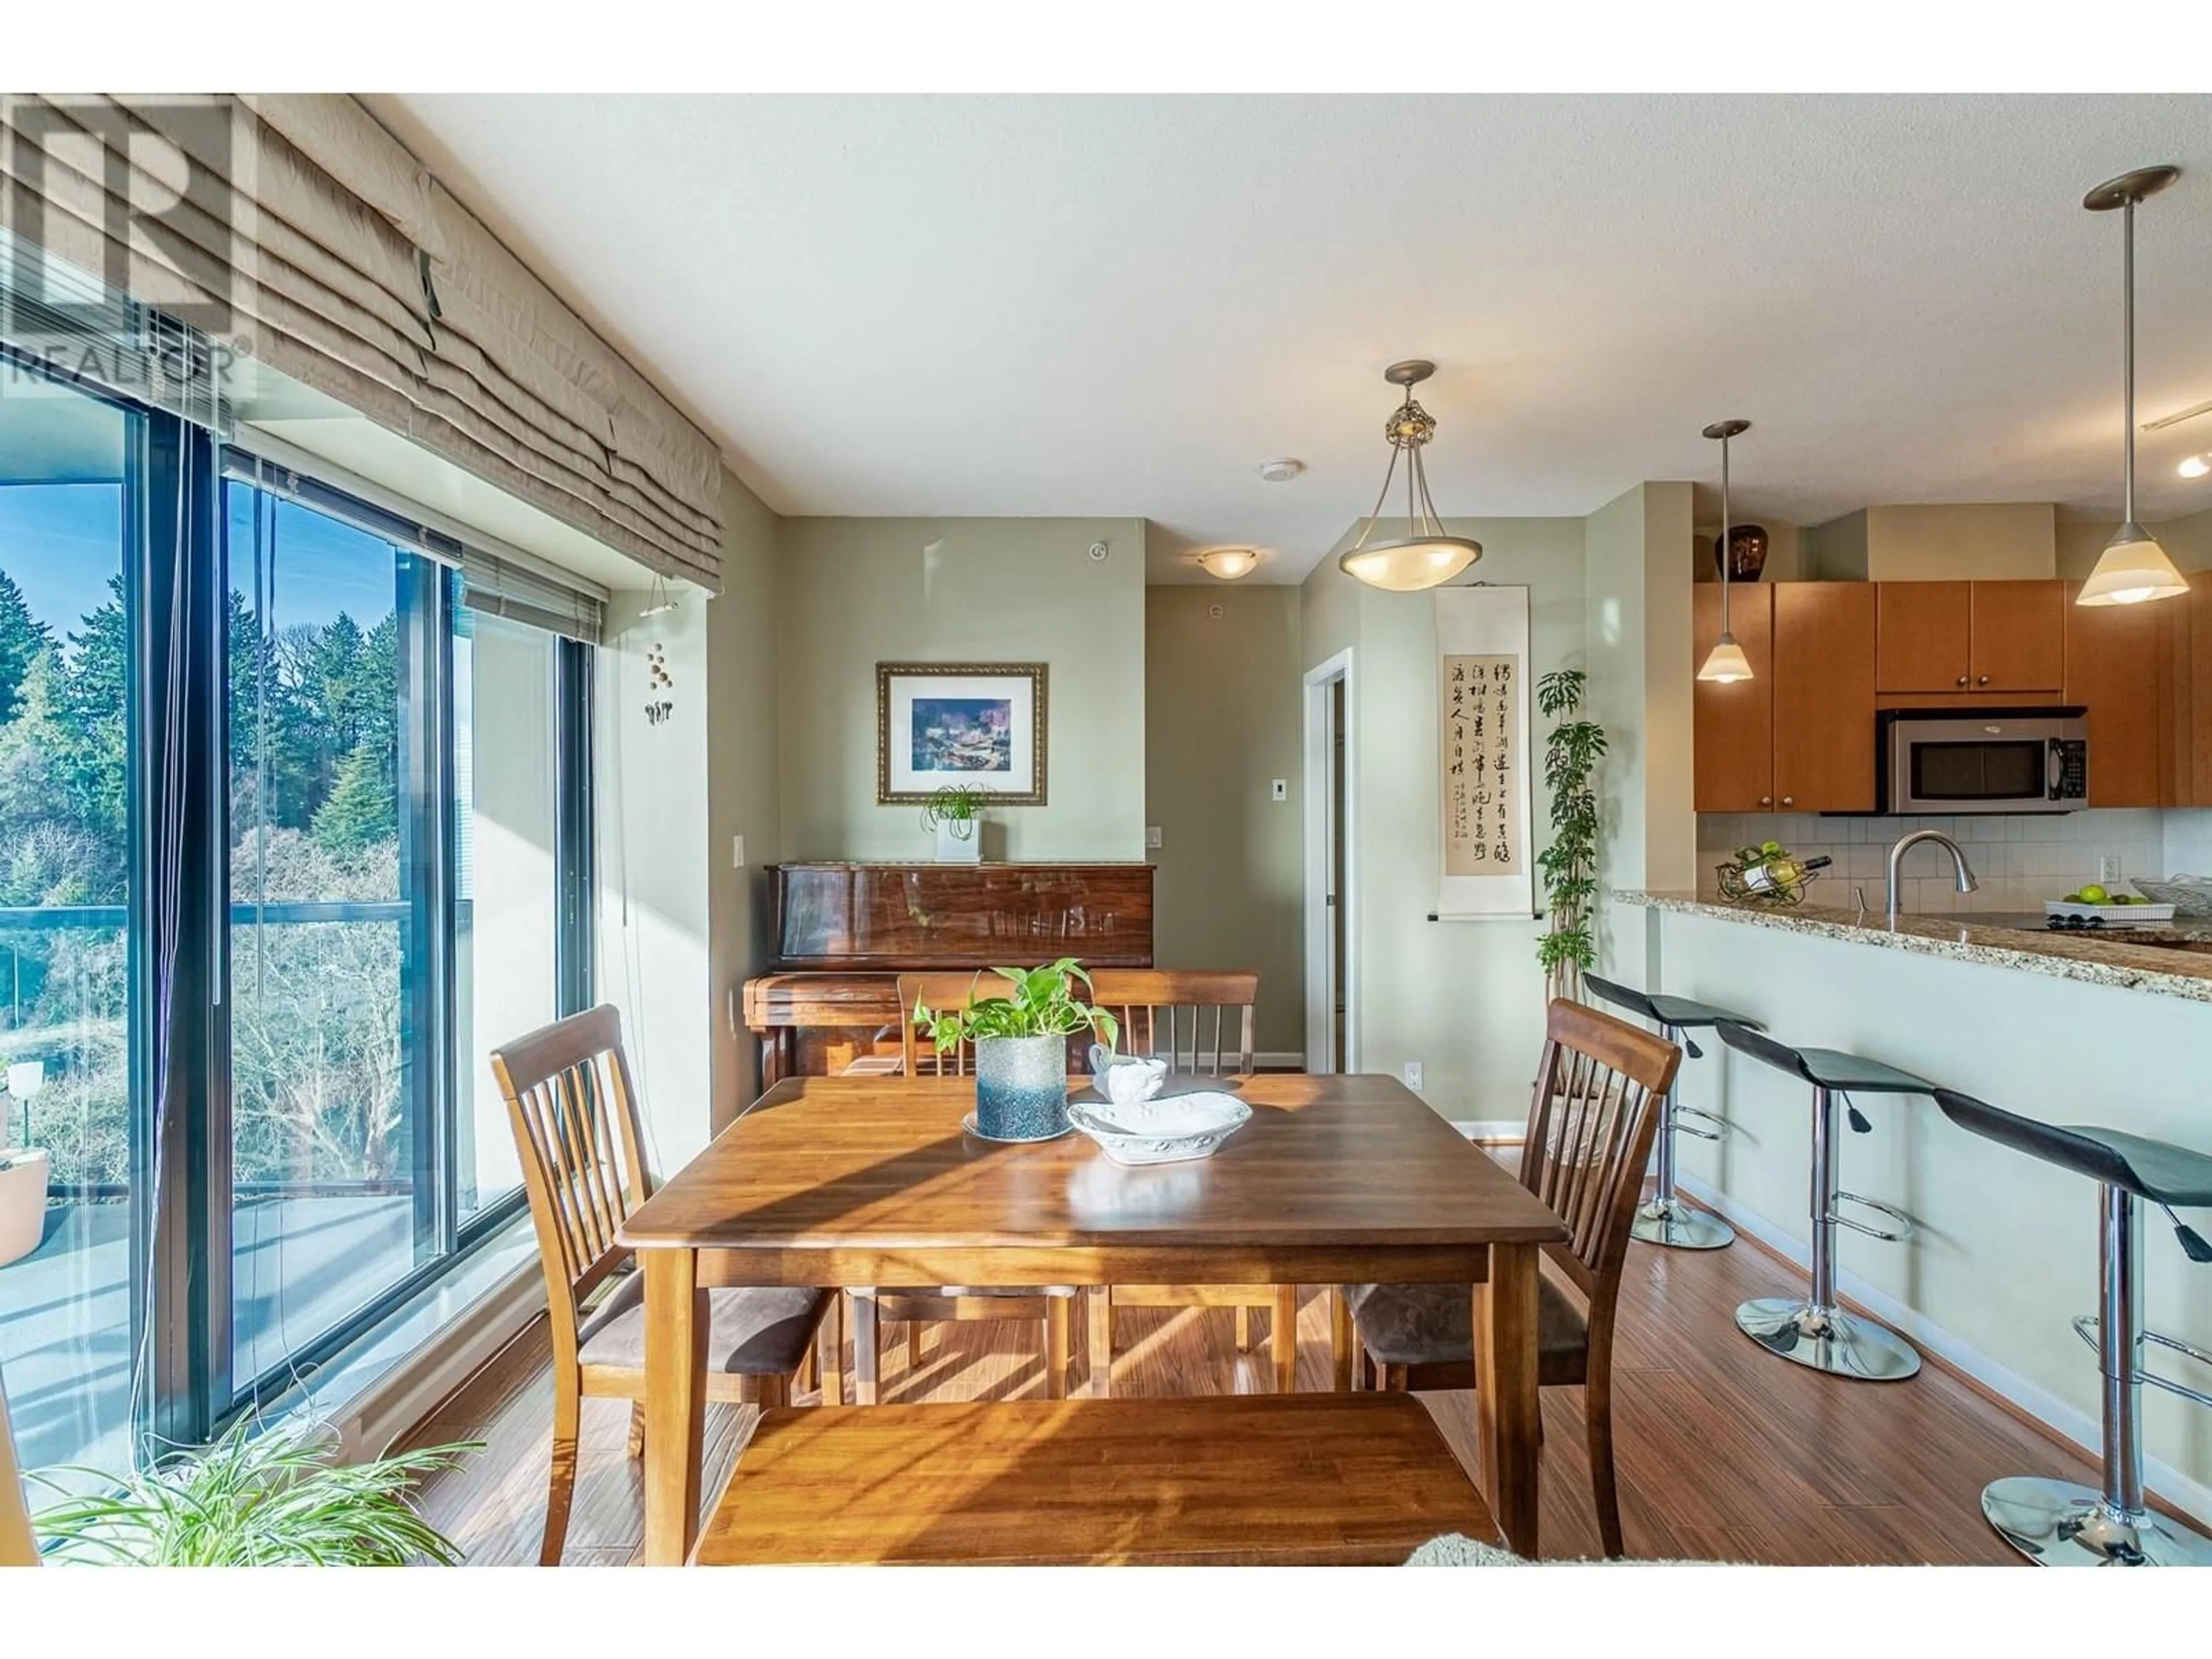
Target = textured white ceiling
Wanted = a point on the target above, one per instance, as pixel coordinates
(1120, 305)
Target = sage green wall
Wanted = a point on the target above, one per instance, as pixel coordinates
(1638, 643)
(1223, 719)
(852, 593)
(2187, 541)
(1466, 999)
(742, 788)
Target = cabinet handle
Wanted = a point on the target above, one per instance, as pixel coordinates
(1766, 800)
(1789, 801)
(1962, 679)
(1984, 680)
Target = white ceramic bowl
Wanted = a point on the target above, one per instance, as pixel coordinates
(1164, 1131)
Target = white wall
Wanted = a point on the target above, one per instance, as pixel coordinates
(654, 921)
(853, 593)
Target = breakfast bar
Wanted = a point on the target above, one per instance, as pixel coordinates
(2062, 1027)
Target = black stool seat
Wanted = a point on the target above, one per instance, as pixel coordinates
(2155, 1170)
(1681, 1013)
(1825, 1068)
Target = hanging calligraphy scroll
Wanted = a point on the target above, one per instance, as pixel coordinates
(1482, 661)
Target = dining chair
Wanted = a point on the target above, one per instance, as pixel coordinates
(1203, 1022)
(573, 1110)
(17, 1546)
(1050, 1307)
(1591, 1125)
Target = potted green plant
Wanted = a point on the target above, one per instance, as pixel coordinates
(1020, 1037)
(954, 813)
(277, 1497)
(1572, 750)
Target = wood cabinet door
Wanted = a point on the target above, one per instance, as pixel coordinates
(1733, 725)
(2019, 636)
(1922, 637)
(2115, 658)
(1824, 655)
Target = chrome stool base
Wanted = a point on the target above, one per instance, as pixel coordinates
(1670, 1222)
(1827, 1339)
(2056, 1523)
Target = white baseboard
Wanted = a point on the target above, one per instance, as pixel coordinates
(2169, 1483)
(1280, 1060)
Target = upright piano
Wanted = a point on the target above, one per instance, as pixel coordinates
(844, 933)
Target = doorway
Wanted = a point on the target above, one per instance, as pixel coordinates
(1332, 1000)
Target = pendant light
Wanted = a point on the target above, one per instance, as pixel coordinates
(1725, 664)
(2133, 567)
(1425, 555)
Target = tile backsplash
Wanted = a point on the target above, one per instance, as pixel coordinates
(2021, 861)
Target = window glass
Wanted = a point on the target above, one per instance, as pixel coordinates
(69, 1131)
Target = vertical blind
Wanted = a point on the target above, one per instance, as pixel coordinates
(294, 230)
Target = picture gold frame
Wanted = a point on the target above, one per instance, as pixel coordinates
(1035, 673)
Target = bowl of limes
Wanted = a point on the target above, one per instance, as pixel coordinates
(2093, 902)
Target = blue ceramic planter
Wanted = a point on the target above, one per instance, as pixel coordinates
(1021, 1087)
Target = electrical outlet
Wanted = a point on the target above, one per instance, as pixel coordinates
(1280, 789)
(2108, 868)
(1413, 1073)
(737, 852)
(1151, 837)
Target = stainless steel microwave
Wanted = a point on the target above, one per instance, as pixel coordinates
(1999, 760)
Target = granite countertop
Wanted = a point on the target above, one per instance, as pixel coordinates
(2180, 969)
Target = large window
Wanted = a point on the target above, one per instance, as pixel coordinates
(290, 835)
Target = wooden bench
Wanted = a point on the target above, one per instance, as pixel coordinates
(1272, 1479)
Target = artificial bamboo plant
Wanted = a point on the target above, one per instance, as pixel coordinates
(1572, 750)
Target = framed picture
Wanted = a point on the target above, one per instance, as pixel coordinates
(980, 724)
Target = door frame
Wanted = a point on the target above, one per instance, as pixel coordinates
(1320, 757)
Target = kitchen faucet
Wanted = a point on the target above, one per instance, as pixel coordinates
(1905, 843)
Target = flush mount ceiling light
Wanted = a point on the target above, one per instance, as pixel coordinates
(1230, 563)
(2133, 567)
(1725, 664)
(1282, 469)
(2196, 466)
(1425, 555)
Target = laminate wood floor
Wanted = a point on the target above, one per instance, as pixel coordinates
(1724, 1452)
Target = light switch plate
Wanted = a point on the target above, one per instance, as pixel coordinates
(1412, 1074)
(1280, 788)
(737, 852)
(1151, 837)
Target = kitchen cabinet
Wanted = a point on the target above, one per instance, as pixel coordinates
(2119, 667)
(1925, 632)
(2018, 636)
(1972, 638)
(1823, 717)
(1733, 725)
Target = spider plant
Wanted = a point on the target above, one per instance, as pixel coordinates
(277, 1497)
(1035, 1002)
(955, 805)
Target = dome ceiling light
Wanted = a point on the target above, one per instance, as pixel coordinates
(1425, 556)
(2133, 567)
(1228, 563)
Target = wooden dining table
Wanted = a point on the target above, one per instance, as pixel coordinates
(846, 1182)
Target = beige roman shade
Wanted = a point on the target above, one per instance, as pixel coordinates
(294, 231)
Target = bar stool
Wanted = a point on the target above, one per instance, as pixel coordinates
(1815, 1331)
(1666, 1219)
(2057, 1523)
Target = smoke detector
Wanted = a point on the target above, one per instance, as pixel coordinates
(1282, 469)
